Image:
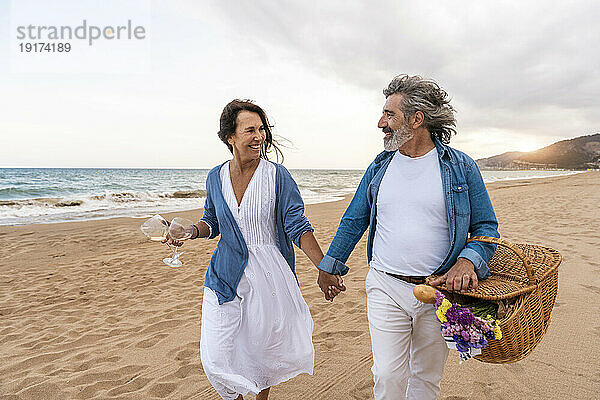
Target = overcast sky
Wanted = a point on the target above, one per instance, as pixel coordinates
(522, 75)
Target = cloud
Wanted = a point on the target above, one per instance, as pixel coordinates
(520, 73)
(509, 65)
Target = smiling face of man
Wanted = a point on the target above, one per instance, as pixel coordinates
(395, 127)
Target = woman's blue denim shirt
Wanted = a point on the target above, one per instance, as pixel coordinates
(230, 258)
(468, 207)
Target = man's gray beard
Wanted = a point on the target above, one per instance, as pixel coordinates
(398, 138)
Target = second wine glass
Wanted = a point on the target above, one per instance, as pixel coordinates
(179, 229)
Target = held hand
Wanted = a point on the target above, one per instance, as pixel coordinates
(460, 278)
(331, 285)
(170, 241)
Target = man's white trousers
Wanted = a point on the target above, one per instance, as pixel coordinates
(409, 351)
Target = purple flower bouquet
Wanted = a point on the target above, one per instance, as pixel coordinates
(466, 329)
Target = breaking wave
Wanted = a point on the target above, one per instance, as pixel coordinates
(55, 209)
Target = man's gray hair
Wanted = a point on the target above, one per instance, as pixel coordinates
(425, 95)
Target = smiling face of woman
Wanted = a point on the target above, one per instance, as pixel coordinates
(249, 136)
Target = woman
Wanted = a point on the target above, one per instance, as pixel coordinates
(256, 327)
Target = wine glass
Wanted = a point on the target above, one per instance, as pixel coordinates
(157, 229)
(179, 229)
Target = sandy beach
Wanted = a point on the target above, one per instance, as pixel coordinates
(88, 310)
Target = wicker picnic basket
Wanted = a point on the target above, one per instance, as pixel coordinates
(527, 274)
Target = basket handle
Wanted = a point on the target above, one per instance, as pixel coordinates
(515, 249)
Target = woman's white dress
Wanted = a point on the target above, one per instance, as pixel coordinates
(264, 336)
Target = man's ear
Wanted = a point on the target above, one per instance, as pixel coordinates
(417, 119)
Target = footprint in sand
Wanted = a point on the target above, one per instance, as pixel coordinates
(90, 390)
(184, 353)
(328, 339)
(151, 341)
(591, 288)
(187, 369)
(94, 362)
(117, 381)
(112, 320)
(167, 325)
(162, 390)
(132, 385)
(345, 334)
(42, 391)
(363, 391)
(557, 304)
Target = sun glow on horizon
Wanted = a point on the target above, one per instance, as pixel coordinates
(528, 144)
(490, 142)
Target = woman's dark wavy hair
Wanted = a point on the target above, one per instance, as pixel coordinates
(228, 125)
(425, 95)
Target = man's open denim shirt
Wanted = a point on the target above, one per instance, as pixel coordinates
(468, 207)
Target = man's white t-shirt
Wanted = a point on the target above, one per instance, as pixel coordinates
(411, 236)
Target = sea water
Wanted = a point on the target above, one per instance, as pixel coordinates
(43, 195)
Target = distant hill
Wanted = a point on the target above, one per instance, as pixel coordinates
(579, 153)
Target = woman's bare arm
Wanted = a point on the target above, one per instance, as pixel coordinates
(331, 285)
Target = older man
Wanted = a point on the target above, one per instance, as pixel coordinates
(420, 199)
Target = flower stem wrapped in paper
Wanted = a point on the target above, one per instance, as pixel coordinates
(467, 328)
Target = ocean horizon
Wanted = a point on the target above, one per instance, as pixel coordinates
(47, 195)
